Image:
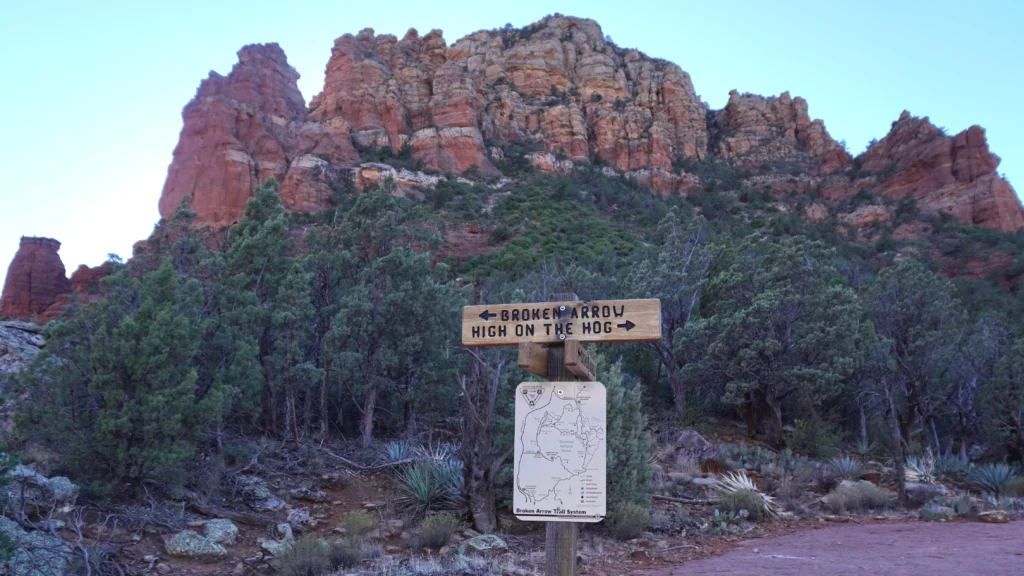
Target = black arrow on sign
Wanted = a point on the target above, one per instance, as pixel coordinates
(487, 314)
(628, 325)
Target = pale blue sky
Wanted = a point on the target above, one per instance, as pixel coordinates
(92, 91)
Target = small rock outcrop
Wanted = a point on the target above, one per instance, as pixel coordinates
(35, 278)
(36, 553)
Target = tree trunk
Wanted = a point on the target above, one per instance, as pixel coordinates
(324, 389)
(750, 416)
(293, 423)
(368, 407)
(678, 390)
(776, 436)
(863, 425)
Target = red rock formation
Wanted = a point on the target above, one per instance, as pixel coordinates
(246, 127)
(35, 278)
(556, 87)
(754, 130)
(85, 288)
(954, 174)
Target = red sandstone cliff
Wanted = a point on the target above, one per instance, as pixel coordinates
(557, 86)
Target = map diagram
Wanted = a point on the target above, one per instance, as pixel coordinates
(560, 458)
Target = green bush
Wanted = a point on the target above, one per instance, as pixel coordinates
(628, 442)
(748, 500)
(857, 497)
(358, 523)
(435, 531)
(629, 520)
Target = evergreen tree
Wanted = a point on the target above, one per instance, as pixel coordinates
(781, 324)
(388, 323)
(676, 275)
(1003, 398)
(627, 439)
(116, 389)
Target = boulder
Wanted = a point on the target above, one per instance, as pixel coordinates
(483, 545)
(36, 553)
(31, 490)
(189, 544)
(309, 494)
(256, 493)
(994, 516)
(221, 531)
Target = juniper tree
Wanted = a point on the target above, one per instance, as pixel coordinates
(918, 321)
(782, 325)
(116, 386)
(675, 274)
(627, 439)
(1003, 399)
(392, 322)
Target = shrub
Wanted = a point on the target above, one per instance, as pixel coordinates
(738, 492)
(596, 97)
(629, 520)
(747, 500)
(857, 497)
(628, 441)
(992, 477)
(312, 556)
(1014, 488)
(846, 467)
(358, 523)
(436, 531)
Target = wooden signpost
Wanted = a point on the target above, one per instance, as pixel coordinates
(550, 336)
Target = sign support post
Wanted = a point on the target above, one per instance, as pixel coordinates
(561, 539)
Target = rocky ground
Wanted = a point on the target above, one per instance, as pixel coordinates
(254, 517)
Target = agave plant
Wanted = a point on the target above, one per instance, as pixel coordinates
(919, 470)
(734, 482)
(992, 477)
(846, 467)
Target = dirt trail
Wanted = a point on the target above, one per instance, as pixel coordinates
(961, 548)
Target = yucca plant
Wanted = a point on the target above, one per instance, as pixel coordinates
(737, 486)
(992, 477)
(919, 470)
(420, 484)
(451, 483)
(951, 465)
(846, 467)
(397, 451)
(864, 448)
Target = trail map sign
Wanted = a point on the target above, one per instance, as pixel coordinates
(559, 463)
(554, 322)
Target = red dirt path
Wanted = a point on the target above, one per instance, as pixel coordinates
(960, 548)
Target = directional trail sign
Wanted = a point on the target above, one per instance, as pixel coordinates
(559, 460)
(554, 322)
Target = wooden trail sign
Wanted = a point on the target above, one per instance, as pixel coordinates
(556, 322)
